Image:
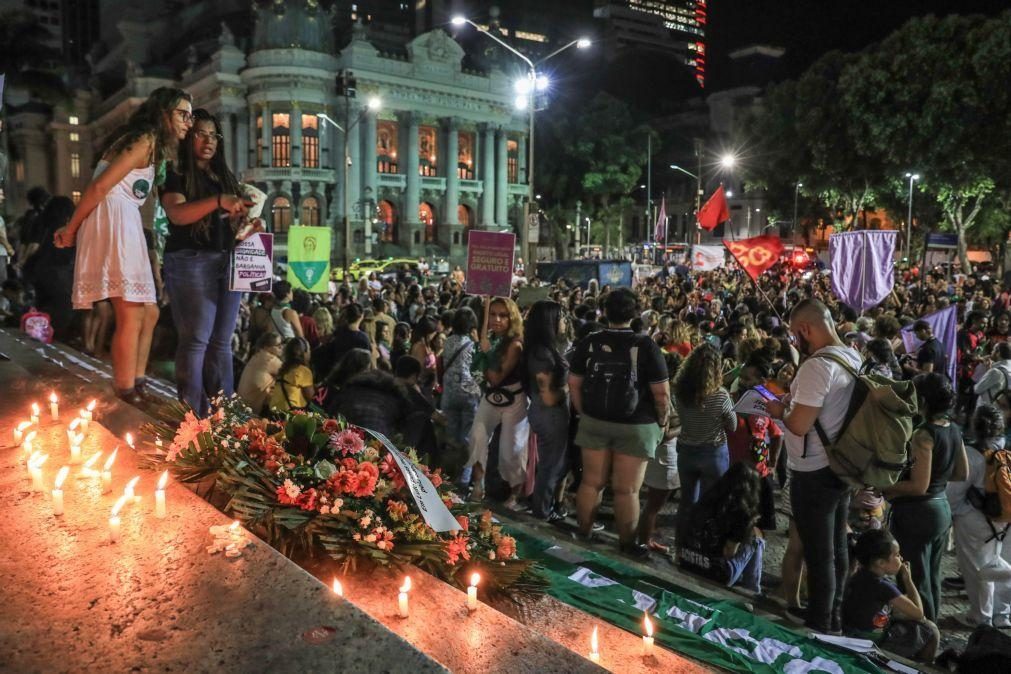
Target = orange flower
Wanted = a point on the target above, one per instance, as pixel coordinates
(506, 548)
(456, 548)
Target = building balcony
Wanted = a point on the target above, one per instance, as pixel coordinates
(268, 173)
(472, 186)
(395, 180)
(519, 189)
(433, 183)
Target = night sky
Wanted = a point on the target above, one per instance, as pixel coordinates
(809, 28)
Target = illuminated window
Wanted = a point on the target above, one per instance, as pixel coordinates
(280, 146)
(73, 120)
(310, 141)
(426, 215)
(310, 212)
(386, 147)
(280, 214)
(19, 171)
(75, 165)
(75, 196)
(513, 161)
(75, 137)
(465, 156)
(427, 146)
(533, 37)
(387, 217)
(464, 216)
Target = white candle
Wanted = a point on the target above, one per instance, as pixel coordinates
(27, 444)
(647, 639)
(19, 431)
(35, 469)
(83, 421)
(87, 469)
(158, 443)
(594, 647)
(159, 497)
(472, 592)
(338, 589)
(58, 491)
(403, 607)
(86, 413)
(54, 406)
(114, 520)
(129, 440)
(35, 413)
(75, 454)
(107, 472)
(128, 491)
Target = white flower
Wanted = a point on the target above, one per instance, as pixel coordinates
(371, 538)
(491, 555)
(324, 510)
(365, 522)
(338, 503)
(291, 489)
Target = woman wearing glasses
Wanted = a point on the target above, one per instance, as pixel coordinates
(112, 259)
(198, 196)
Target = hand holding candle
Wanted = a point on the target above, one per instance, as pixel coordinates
(403, 607)
(647, 639)
(54, 406)
(472, 592)
(58, 491)
(159, 497)
(594, 647)
(114, 520)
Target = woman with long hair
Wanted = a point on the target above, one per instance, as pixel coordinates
(51, 270)
(294, 387)
(460, 391)
(706, 413)
(503, 402)
(112, 260)
(198, 194)
(422, 347)
(544, 342)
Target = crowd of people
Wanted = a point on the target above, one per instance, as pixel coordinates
(544, 407)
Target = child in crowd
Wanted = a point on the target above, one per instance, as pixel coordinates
(874, 607)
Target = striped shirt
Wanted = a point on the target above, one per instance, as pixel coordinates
(706, 426)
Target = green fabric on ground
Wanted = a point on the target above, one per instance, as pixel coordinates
(720, 633)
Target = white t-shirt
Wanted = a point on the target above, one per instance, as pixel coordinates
(821, 383)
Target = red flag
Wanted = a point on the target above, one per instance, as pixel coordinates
(714, 211)
(756, 254)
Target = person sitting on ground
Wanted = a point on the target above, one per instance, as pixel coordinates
(418, 427)
(720, 538)
(294, 387)
(874, 607)
(258, 377)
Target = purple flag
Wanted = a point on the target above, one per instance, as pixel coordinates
(944, 326)
(660, 230)
(863, 268)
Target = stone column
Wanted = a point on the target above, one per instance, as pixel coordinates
(251, 138)
(487, 172)
(452, 200)
(501, 180)
(227, 133)
(412, 196)
(369, 177)
(266, 134)
(241, 143)
(522, 159)
(354, 194)
(295, 131)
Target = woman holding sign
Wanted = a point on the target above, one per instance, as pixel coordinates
(198, 198)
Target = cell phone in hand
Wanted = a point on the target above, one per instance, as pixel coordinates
(765, 393)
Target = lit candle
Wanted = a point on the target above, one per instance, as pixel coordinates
(29, 439)
(338, 589)
(158, 443)
(19, 431)
(30, 462)
(72, 427)
(472, 592)
(107, 472)
(129, 440)
(83, 419)
(88, 470)
(54, 406)
(647, 638)
(35, 413)
(402, 605)
(128, 491)
(594, 647)
(58, 490)
(75, 448)
(87, 412)
(234, 531)
(114, 520)
(36, 472)
(159, 496)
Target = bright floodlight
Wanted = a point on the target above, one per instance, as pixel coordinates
(458, 20)
(521, 102)
(542, 82)
(799, 185)
(522, 86)
(583, 43)
(729, 194)
(374, 103)
(913, 176)
(728, 161)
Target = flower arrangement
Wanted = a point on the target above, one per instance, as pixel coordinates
(311, 484)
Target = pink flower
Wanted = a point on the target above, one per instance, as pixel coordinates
(189, 431)
(347, 442)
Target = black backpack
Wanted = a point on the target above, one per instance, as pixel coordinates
(988, 650)
(611, 384)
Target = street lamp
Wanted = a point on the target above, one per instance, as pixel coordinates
(533, 83)
(796, 196)
(728, 161)
(909, 220)
(372, 105)
(729, 194)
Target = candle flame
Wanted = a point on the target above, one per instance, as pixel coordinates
(35, 409)
(406, 587)
(163, 481)
(594, 645)
(39, 460)
(648, 625)
(74, 424)
(119, 506)
(475, 578)
(33, 457)
(131, 485)
(129, 440)
(23, 426)
(91, 406)
(52, 397)
(29, 439)
(338, 589)
(110, 460)
(91, 462)
(60, 477)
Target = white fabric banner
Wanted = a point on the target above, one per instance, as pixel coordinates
(425, 494)
(707, 258)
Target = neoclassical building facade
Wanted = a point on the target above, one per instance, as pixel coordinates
(444, 152)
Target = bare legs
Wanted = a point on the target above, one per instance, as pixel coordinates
(151, 313)
(596, 468)
(625, 474)
(655, 499)
(793, 568)
(96, 327)
(125, 342)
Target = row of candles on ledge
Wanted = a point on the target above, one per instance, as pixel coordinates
(35, 459)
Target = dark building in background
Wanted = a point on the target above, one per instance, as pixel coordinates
(80, 29)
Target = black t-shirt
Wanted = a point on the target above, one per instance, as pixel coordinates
(326, 356)
(652, 368)
(931, 352)
(48, 256)
(184, 237)
(866, 606)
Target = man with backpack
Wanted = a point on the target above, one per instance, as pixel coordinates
(820, 394)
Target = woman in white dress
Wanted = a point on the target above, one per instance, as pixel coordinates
(112, 259)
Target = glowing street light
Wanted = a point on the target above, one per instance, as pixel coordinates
(583, 43)
(728, 161)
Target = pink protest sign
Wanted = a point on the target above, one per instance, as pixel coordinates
(490, 263)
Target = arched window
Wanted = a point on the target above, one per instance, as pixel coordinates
(426, 215)
(464, 216)
(513, 161)
(465, 156)
(427, 151)
(386, 146)
(387, 218)
(280, 214)
(280, 150)
(310, 212)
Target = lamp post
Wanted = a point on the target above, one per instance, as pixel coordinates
(698, 195)
(796, 196)
(373, 104)
(909, 220)
(527, 98)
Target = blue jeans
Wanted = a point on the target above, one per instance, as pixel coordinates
(698, 469)
(459, 409)
(745, 568)
(204, 311)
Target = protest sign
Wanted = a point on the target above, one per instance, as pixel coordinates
(752, 402)
(253, 264)
(490, 263)
(707, 258)
(309, 258)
